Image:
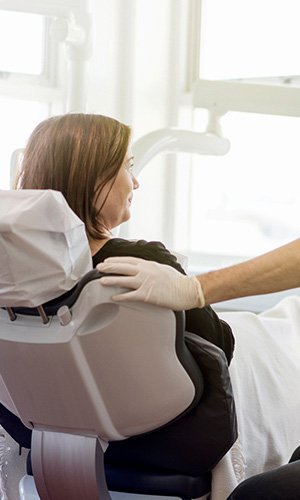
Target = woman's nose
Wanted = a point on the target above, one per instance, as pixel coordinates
(136, 183)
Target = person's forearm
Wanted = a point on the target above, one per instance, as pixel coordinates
(162, 285)
(272, 272)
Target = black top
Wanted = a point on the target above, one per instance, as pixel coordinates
(204, 321)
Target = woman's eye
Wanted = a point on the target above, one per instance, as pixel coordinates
(130, 168)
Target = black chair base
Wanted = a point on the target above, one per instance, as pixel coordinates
(145, 482)
(154, 482)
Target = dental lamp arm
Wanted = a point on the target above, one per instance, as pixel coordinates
(161, 285)
(173, 140)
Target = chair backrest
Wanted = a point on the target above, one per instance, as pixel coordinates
(112, 371)
(91, 366)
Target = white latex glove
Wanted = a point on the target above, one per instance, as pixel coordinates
(153, 283)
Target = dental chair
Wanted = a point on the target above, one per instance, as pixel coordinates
(83, 372)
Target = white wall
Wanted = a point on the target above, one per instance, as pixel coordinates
(134, 75)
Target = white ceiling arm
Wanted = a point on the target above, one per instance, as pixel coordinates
(75, 32)
(46, 7)
(279, 96)
(172, 140)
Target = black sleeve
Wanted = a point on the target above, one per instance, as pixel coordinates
(148, 250)
(204, 322)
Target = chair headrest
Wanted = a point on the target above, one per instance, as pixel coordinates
(43, 247)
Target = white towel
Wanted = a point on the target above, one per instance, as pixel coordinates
(265, 375)
(228, 473)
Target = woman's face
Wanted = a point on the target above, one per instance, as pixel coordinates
(116, 208)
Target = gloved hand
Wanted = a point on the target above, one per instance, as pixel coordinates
(153, 283)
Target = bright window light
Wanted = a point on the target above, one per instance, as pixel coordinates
(249, 38)
(248, 201)
(22, 38)
(17, 120)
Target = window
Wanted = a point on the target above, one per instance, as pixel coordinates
(252, 38)
(246, 202)
(23, 36)
(23, 67)
(35, 81)
(18, 118)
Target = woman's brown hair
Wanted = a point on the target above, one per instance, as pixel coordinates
(77, 154)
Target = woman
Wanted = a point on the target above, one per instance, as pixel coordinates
(88, 158)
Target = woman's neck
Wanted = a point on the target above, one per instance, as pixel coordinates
(95, 245)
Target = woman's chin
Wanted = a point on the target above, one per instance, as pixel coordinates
(117, 224)
(126, 216)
